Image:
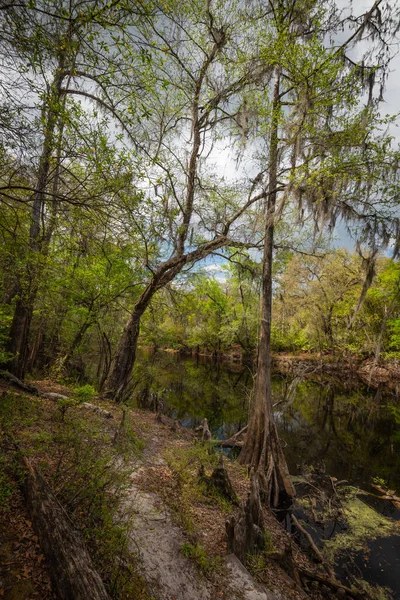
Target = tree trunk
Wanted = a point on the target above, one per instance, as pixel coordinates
(71, 569)
(262, 448)
(18, 336)
(369, 264)
(38, 240)
(67, 358)
(117, 383)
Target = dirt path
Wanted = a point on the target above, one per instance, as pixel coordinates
(158, 540)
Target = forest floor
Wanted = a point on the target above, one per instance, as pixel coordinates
(153, 530)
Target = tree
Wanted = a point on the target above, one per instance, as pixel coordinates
(194, 211)
(53, 51)
(323, 153)
(319, 295)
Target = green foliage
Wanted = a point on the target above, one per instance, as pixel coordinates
(5, 322)
(185, 464)
(205, 563)
(63, 404)
(257, 562)
(269, 545)
(84, 393)
(314, 300)
(379, 481)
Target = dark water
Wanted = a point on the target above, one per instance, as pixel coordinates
(342, 427)
(351, 431)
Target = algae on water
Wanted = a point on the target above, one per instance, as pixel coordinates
(364, 524)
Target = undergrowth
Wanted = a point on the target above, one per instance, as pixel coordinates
(207, 564)
(189, 491)
(185, 463)
(88, 473)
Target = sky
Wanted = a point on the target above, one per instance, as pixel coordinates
(389, 106)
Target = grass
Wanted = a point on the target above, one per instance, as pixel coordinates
(185, 464)
(206, 564)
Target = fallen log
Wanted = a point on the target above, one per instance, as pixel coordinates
(26, 387)
(53, 396)
(232, 441)
(387, 495)
(71, 569)
(227, 443)
(86, 405)
(313, 546)
(104, 413)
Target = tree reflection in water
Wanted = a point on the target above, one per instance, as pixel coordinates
(350, 431)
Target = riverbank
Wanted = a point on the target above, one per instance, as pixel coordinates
(129, 481)
(370, 372)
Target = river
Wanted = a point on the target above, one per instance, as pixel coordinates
(333, 424)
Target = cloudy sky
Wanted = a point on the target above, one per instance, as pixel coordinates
(390, 106)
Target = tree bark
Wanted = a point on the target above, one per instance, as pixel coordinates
(262, 448)
(246, 531)
(71, 569)
(117, 383)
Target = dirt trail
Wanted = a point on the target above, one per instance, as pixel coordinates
(157, 540)
(168, 573)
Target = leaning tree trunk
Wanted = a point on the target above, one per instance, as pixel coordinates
(116, 385)
(262, 448)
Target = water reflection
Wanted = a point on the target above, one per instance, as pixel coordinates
(352, 432)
